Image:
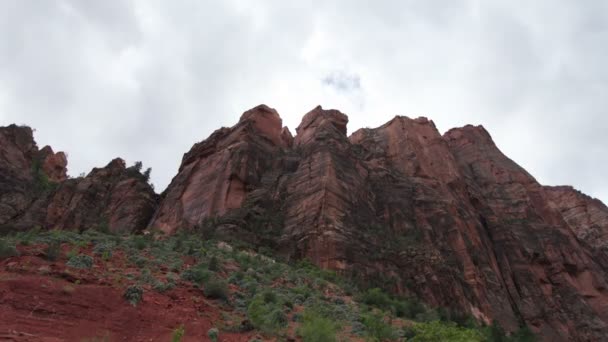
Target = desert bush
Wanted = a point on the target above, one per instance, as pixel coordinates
(316, 328)
(103, 249)
(196, 274)
(134, 294)
(442, 331)
(160, 286)
(376, 297)
(216, 288)
(7, 249)
(376, 328)
(265, 313)
(213, 334)
(214, 264)
(82, 261)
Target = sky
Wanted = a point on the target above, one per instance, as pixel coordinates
(146, 79)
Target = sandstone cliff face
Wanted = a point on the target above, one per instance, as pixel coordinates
(35, 190)
(25, 171)
(551, 279)
(449, 219)
(586, 216)
(218, 173)
(114, 198)
(398, 206)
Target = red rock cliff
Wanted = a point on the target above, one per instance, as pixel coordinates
(449, 219)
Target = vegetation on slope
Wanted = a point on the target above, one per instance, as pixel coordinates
(255, 291)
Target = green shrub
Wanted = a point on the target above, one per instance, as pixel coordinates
(213, 334)
(214, 264)
(266, 314)
(72, 253)
(178, 334)
(134, 294)
(82, 261)
(27, 238)
(138, 260)
(7, 250)
(104, 250)
(408, 308)
(376, 297)
(196, 274)
(53, 250)
(216, 288)
(139, 242)
(442, 331)
(376, 328)
(161, 287)
(316, 328)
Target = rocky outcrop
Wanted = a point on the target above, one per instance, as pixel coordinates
(36, 192)
(216, 175)
(114, 197)
(54, 165)
(586, 216)
(26, 172)
(552, 281)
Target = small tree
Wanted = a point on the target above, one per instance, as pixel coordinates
(146, 174)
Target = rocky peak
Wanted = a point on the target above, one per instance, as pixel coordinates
(469, 134)
(413, 146)
(287, 137)
(266, 121)
(54, 165)
(320, 121)
(17, 150)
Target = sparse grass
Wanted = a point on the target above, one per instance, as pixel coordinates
(7, 249)
(178, 333)
(82, 261)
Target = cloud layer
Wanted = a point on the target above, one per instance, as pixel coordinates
(145, 79)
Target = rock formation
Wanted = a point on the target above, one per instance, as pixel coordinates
(35, 190)
(586, 216)
(446, 218)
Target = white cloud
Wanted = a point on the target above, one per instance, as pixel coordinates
(146, 79)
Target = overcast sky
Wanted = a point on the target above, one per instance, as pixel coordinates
(145, 79)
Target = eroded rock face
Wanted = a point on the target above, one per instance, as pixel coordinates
(586, 216)
(113, 197)
(36, 192)
(552, 280)
(54, 165)
(25, 171)
(217, 174)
